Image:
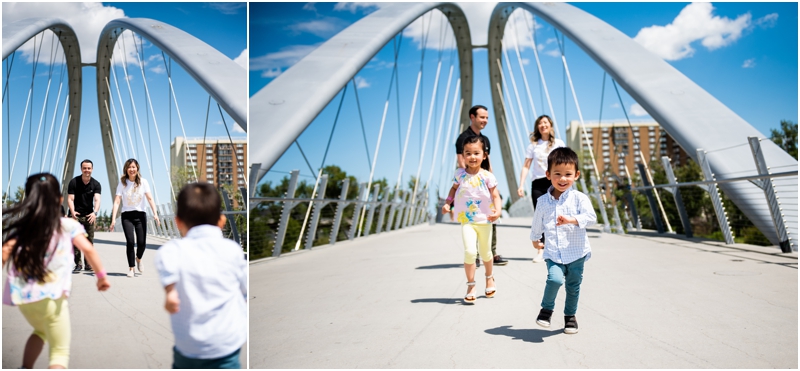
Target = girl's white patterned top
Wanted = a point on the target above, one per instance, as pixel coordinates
(473, 201)
(58, 260)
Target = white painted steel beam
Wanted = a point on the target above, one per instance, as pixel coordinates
(285, 107)
(17, 33)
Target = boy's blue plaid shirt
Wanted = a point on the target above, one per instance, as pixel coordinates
(566, 243)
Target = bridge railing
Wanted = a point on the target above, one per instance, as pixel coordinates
(373, 215)
(783, 211)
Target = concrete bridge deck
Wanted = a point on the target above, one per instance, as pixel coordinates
(647, 301)
(124, 327)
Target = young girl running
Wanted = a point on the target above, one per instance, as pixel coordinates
(38, 247)
(477, 206)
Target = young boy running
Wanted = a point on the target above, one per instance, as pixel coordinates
(562, 215)
(205, 277)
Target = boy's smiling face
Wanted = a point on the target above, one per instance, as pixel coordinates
(562, 176)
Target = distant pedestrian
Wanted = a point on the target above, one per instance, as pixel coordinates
(478, 118)
(563, 215)
(83, 199)
(477, 206)
(205, 279)
(543, 141)
(133, 192)
(38, 248)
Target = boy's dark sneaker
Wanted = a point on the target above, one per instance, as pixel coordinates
(544, 317)
(78, 268)
(498, 260)
(477, 262)
(89, 267)
(570, 325)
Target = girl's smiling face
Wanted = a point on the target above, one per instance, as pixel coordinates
(474, 155)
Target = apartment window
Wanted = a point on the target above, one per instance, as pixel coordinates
(241, 182)
(210, 171)
(239, 145)
(636, 134)
(605, 141)
(193, 146)
(240, 176)
(605, 148)
(240, 157)
(209, 151)
(239, 151)
(652, 140)
(209, 157)
(606, 160)
(209, 176)
(209, 164)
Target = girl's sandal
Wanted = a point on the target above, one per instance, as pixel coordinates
(470, 298)
(490, 291)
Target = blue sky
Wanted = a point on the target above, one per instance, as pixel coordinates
(744, 54)
(221, 25)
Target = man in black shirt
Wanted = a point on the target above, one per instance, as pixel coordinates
(479, 117)
(84, 202)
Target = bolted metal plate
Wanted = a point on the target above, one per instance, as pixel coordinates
(736, 273)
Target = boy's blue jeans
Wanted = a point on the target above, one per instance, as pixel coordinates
(229, 361)
(570, 275)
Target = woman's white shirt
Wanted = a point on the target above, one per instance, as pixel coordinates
(538, 152)
(133, 197)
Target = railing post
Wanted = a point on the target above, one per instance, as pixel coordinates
(392, 208)
(372, 205)
(385, 204)
(359, 203)
(401, 212)
(769, 191)
(617, 220)
(713, 191)
(599, 197)
(173, 224)
(316, 212)
(162, 228)
(340, 206)
(231, 220)
(285, 214)
(676, 193)
(632, 206)
(651, 199)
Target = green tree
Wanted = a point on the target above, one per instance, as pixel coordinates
(786, 137)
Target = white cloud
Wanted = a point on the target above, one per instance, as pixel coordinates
(354, 7)
(87, 19)
(272, 72)
(750, 63)
(361, 82)
(242, 59)
(310, 6)
(767, 21)
(237, 128)
(615, 105)
(228, 8)
(517, 30)
(286, 57)
(637, 110)
(553, 53)
(695, 22)
(525, 61)
(325, 27)
(159, 69)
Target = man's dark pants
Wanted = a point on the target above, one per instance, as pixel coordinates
(89, 227)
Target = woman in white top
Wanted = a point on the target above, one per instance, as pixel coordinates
(133, 191)
(543, 141)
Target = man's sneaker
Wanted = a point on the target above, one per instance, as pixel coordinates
(88, 267)
(78, 268)
(544, 317)
(570, 325)
(498, 260)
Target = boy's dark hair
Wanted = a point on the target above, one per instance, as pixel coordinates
(32, 222)
(474, 110)
(562, 155)
(198, 204)
(87, 160)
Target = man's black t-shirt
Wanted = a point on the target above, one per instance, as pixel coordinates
(469, 133)
(84, 194)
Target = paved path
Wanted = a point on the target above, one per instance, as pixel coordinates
(393, 301)
(124, 327)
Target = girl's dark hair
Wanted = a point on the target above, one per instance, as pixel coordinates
(536, 135)
(477, 139)
(124, 178)
(33, 222)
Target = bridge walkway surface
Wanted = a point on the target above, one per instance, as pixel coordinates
(647, 301)
(124, 327)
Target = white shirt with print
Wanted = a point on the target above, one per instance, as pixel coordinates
(133, 197)
(538, 152)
